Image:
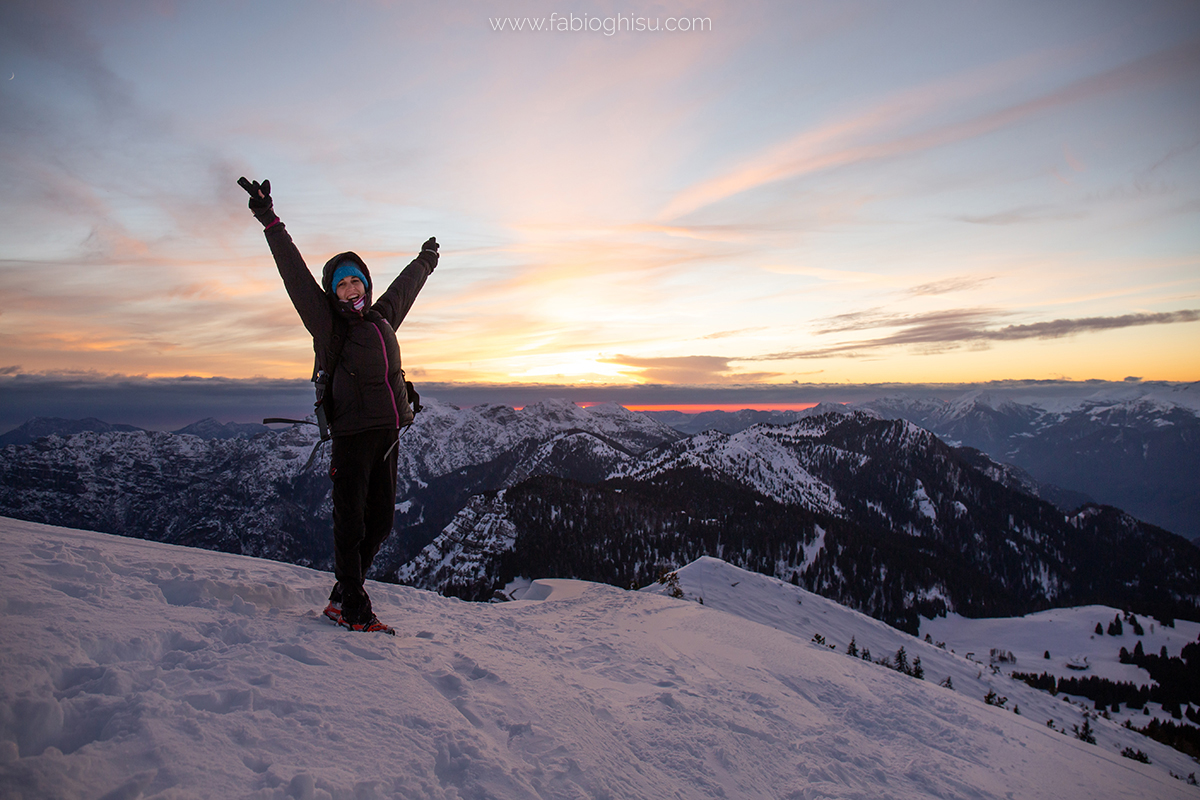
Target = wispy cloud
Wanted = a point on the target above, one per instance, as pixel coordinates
(949, 285)
(847, 141)
(686, 369)
(728, 334)
(1066, 327)
(954, 328)
(1021, 216)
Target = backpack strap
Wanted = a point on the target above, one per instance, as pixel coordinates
(323, 376)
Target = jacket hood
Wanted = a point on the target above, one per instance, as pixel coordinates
(332, 264)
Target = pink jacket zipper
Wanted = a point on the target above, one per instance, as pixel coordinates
(386, 379)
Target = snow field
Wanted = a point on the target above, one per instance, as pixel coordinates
(1068, 633)
(136, 669)
(793, 610)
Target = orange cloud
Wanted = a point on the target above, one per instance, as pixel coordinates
(686, 369)
(827, 147)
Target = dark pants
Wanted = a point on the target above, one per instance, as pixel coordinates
(363, 469)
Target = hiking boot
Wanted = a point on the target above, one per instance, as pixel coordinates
(371, 625)
(334, 609)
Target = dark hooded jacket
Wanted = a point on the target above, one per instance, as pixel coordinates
(367, 391)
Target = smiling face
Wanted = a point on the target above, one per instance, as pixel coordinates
(350, 289)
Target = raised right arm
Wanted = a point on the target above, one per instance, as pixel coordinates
(302, 287)
(305, 293)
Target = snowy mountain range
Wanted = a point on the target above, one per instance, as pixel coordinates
(1137, 447)
(39, 427)
(139, 669)
(878, 514)
(268, 495)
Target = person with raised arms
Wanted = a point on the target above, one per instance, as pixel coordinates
(361, 394)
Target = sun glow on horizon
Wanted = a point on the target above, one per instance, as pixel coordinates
(698, 408)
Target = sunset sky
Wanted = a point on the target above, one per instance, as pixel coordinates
(798, 192)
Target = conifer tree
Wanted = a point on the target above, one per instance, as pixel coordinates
(671, 581)
(1136, 755)
(852, 648)
(902, 661)
(918, 671)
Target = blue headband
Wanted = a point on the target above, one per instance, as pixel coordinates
(347, 269)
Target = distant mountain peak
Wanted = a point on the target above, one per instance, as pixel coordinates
(981, 399)
(39, 427)
(210, 428)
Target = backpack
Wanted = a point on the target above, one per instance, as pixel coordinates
(323, 379)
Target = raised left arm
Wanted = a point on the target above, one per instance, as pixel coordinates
(393, 304)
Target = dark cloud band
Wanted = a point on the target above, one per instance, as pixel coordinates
(171, 403)
(948, 329)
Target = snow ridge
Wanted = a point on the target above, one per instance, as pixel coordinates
(230, 685)
(758, 457)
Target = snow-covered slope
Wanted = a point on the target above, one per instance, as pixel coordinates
(758, 457)
(137, 669)
(1066, 634)
(460, 560)
(960, 649)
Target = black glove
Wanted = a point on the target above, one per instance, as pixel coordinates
(430, 251)
(260, 200)
(260, 193)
